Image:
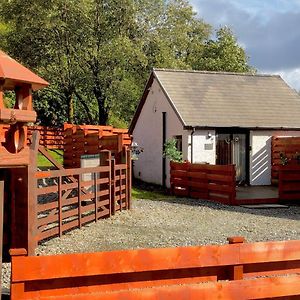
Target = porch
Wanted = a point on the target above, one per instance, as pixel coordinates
(257, 195)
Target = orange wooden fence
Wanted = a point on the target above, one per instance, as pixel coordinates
(69, 198)
(289, 147)
(90, 139)
(50, 137)
(289, 183)
(235, 271)
(203, 181)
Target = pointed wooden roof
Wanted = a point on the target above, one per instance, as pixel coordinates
(14, 73)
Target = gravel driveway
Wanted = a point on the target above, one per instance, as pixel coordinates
(177, 222)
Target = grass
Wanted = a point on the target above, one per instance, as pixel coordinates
(141, 190)
(42, 161)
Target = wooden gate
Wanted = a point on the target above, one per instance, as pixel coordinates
(235, 271)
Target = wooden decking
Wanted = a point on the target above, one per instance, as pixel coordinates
(257, 195)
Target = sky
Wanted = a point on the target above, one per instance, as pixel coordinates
(269, 31)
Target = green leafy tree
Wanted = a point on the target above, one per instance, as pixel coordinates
(222, 54)
(97, 54)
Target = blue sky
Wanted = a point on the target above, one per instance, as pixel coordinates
(269, 30)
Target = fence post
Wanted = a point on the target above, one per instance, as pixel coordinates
(233, 200)
(129, 178)
(79, 200)
(280, 183)
(236, 272)
(96, 195)
(59, 206)
(113, 187)
(16, 287)
(1, 229)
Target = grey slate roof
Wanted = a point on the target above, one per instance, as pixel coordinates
(214, 99)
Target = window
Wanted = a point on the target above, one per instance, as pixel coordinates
(178, 139)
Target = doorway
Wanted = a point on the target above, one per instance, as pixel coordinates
(232, 149)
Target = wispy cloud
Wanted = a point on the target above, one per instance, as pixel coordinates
(268, 29)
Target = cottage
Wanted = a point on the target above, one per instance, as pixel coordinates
(217, 118)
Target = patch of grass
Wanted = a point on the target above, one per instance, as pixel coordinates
(42, 161)
(142, 190)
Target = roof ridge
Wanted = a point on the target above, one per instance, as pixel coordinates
(215, 72)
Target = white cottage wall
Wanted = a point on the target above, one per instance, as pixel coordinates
(260, 156)
(204, 146)
(148, 134)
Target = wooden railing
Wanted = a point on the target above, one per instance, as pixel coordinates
(203, 181)
(235, 271)
(289, 147)
(70, 198)
(289, 183)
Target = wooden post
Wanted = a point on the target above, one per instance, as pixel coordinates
(16, 287)
(79, 200)
(59, 191)
(24, 201)
(1, 97)
(280, 183)
(233, 200)
(128, 179)
(110, 184)
(113, 187)
(236, 272)
(1, 230)
(96, 196)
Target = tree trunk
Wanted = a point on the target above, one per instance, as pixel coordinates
(85, 106)
(70, 104)
(103, 113)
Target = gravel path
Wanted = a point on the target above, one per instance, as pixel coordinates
(176, 222)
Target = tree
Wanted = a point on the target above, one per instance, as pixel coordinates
(97, 54)
(222, 54)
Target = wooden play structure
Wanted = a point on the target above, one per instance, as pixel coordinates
(17, 158)
(237, 271)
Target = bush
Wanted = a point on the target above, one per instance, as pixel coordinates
(171, 152)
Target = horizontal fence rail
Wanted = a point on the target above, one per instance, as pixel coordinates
(289, 183)
(50, 137)
(90, 139)
(235, 271)
(203, 181)
(287, 146)
(70, 198)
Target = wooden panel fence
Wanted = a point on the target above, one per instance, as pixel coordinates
(90, 139)
(289, 183)
(290, 148)
(239, 270)
(50, 137)
(69, 198)
(203, 181)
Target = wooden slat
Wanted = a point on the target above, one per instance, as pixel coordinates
(38, 268)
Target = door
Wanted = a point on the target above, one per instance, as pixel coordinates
(231, 149)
